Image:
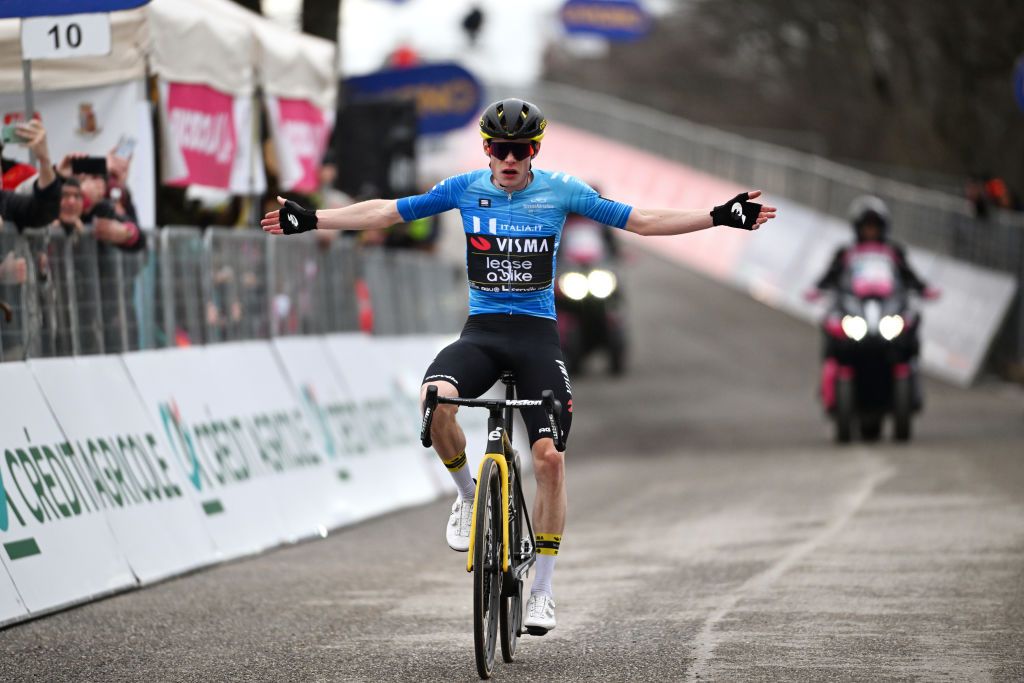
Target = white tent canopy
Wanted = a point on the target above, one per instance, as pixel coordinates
(212, 42)
(127, 61)
(288, 64)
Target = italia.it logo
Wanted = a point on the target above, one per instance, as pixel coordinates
(180, 440)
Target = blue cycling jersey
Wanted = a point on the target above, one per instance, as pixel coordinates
(512, 238)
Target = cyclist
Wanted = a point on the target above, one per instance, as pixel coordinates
(512, 215)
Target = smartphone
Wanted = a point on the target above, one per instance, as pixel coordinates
(125, 147)
(9, 134)
(89, 165)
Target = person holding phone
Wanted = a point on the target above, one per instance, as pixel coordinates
(111, 222)
(43, 204)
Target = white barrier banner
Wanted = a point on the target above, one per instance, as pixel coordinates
(370, 375)
(11, 606)
(338, 425)
(249, 382)
(229, 478)
(960, 326)
(57, 545)
(94, 401)
(412, 356)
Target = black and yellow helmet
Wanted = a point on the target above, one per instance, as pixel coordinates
(513, 119)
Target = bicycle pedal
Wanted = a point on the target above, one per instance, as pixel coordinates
(536, 631)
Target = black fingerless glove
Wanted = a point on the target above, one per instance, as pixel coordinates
(295, 219)
(737, 213)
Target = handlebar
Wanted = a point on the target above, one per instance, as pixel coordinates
(551, 405)
(429, 406)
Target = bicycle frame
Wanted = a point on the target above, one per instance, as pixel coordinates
(499, 447)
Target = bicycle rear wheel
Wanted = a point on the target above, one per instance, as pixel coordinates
(487, 567)
(512, 590)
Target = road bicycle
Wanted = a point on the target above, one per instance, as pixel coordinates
(500, 554)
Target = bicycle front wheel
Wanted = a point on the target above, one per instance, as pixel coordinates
(487, 567)
(512, 590)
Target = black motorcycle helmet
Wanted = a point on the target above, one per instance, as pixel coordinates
(512, 119)
(869, 209)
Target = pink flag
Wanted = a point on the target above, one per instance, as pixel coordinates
(300, 137)
(200, 122)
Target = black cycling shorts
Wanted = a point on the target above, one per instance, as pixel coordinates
(491, 343)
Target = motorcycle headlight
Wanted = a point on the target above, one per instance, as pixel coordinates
(602, 283)
(574, 285)
(854, 327)
(891, 326)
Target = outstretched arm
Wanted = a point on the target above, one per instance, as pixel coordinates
(369, 215)
(737, 213)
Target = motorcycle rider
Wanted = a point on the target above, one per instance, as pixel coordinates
(869, 217)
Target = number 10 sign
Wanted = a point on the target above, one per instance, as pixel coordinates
(72, 35)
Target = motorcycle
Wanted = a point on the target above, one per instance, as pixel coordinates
(588, 297)
(871, 368)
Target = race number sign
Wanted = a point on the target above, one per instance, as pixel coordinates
(67, 37)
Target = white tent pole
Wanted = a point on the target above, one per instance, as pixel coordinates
(30, 105)
(255, 206)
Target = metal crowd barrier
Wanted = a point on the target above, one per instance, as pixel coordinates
(72, 295)
(934, 220)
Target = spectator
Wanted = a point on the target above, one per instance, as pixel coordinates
(999, 194)
(20, 211)
(70, 215)
(40, 207)
(117, 182)
(13, 269)
(113, 222)
(101, 277)
(975, 192)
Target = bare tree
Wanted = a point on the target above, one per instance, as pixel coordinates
(253, 5)
(320, 18)
(924, 84)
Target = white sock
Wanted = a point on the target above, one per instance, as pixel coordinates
(547, 550)
(545, 567)
(460, 474)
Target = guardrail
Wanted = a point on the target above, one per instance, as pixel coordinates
(73, 295)
(934, 220)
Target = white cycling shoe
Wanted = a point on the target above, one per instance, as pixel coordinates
(540, 614)
(459, 524)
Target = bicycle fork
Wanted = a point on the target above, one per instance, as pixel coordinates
(496, 441)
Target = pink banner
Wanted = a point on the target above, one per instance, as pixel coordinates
(201, 126)
(302, 130)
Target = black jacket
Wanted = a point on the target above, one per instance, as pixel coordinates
(31, 210)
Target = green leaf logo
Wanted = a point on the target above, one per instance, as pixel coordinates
(180, 440)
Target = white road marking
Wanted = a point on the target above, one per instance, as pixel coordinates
(878, 472)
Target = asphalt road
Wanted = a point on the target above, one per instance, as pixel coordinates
(715, 534)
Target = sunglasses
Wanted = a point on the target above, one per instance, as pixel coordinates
(520, 150)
